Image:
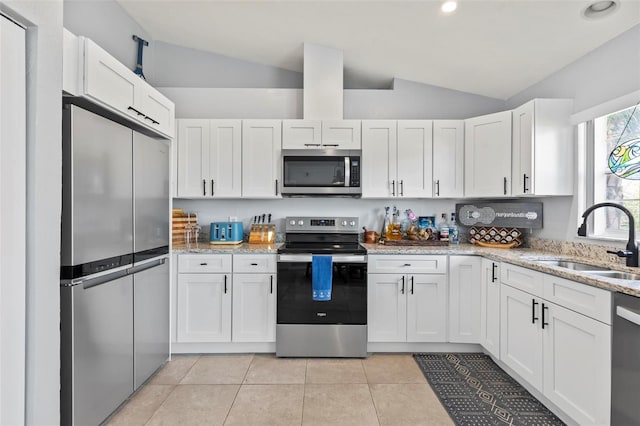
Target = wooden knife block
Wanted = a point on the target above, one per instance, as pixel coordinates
(262, 234)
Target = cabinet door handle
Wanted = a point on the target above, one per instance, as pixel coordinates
(225, 283)
(393, 190)
(212, 182)
(524, 183)
(331, 144)
(311, 144)
(135, 110)
(402, 188)
(203, 264)
(438, 188)
(146, 117)
(271, 285)
(411, 285)
(402, 290)
(254, 264)
(407, 264)
(543, 320)
(204, 187)
(505, 185)
(493, 272)
(276, 187)
(534, 318)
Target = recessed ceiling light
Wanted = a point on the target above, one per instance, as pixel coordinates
(449, 6)
(600, 9)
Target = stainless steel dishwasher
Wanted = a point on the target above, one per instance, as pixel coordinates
(625, 371)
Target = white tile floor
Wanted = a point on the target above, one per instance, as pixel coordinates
(261, 389)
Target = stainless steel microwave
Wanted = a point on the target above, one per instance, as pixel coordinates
(317, 172)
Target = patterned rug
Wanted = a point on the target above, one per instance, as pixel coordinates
(475, 391)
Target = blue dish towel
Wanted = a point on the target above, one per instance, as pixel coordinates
(321, 277)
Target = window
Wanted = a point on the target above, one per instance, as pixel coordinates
(615, 139)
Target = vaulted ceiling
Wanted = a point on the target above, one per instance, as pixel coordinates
(493, 48)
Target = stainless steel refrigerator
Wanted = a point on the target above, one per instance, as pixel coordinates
(114, 270)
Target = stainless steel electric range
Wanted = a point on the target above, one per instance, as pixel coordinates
(333, 328)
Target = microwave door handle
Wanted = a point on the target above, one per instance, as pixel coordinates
(347, 171)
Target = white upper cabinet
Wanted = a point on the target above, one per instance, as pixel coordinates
(110, 83)
(414, 158)
(261, 158)
(193, 158)
(209, 158)
(301, 134)
(341, 134)
(397, 158)
(315, 134)
(448, 158)
(543, 148)
(488, 155)
(379, 159)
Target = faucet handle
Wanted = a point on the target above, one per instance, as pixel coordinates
(621, 253)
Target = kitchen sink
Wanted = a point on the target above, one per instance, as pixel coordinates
(616, 274)
(576, 266)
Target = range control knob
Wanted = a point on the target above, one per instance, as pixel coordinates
(301, 222)
(352, 223)
(344, 223)
(292, 222)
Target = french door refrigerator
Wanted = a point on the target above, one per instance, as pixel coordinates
(114, 271)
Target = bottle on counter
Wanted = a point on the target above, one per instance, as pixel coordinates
(443, 228)
(454, 232)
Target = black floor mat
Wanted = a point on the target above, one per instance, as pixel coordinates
(475, 391)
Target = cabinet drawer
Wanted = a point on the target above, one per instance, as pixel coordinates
(258, 263)
(582, 298)
(413, 264)
(204, 263)
(522, 278)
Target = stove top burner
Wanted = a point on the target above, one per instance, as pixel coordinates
(322, 235)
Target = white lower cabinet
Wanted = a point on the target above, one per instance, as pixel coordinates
(254, 298)
(464, 299)
(404, 306)
(204, 308)
(563, 353)
(521, 334)
(215, 305)
(490, 307)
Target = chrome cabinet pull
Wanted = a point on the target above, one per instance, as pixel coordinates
(402, 188)
(393, 191)
(438, 188)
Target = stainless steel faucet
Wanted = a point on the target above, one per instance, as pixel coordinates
(631, 252)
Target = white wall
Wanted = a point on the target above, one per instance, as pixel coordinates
(370, 212)
(44, 180)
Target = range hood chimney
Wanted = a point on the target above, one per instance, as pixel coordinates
(323, 83)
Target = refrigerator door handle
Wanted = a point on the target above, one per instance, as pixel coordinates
(98, 279)
(148, 264)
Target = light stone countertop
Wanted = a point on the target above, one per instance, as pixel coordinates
(527, 258)
(243, 248)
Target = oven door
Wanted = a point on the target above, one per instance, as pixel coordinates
(348, 304)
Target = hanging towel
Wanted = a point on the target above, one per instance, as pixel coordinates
(321, 277)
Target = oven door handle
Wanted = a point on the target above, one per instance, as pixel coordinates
(338, 258)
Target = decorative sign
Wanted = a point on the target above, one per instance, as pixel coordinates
(512, 214)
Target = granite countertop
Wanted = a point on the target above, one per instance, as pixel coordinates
(528, 257)
(244, 248)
